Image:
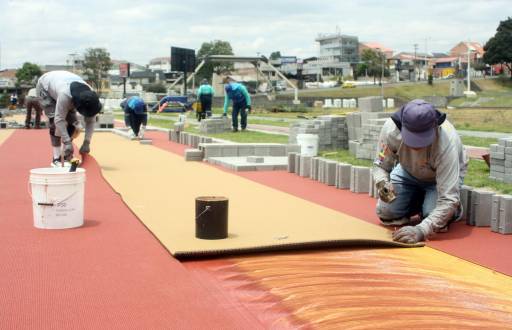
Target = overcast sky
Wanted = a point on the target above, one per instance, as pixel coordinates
(45, 32)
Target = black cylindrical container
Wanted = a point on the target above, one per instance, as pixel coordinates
(211, 217)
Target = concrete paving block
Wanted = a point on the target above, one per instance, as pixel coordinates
(343, 173)
(305, 166)
(505, 217)
(330, 172)
(292, 148)
(255, 159)
(212, 151)
(193, 155)
(321, 170)
(245, 150)
(313, 173)
(465, 201)
(261, 150)
(277, 151)
(146, 141)
(297, 164)
(481, 202)
(495, 212)
(359, 179)
(229, 150)
(291, 162)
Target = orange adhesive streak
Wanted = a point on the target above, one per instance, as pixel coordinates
(361, 289)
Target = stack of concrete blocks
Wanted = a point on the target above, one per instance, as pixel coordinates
(193, 155)
(105, 120)
(337, 103)
(359, 179)
(364, 127)
(328, 103)
(331, 130)
(174, 136)
(484, 208)
(501, 160)
(212, 149)
(215, 125)
(329, 172)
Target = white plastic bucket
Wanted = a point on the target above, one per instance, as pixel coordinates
(308, 144)
(57, 197)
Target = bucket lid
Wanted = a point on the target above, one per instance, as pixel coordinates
(55, 171)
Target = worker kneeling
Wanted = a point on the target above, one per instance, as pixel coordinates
(419, 169)
(135, 116)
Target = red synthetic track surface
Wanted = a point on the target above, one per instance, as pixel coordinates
(478, 245)
(110, 274)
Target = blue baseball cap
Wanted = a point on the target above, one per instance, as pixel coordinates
(419, 124)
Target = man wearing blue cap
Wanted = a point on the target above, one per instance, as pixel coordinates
(62, 94)
(420, 160)
(135, 116)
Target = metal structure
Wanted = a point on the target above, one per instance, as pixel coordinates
(255, 60)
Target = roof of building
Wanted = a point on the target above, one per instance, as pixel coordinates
(470, 44)
(446, 59)
(8, 73)
(376, 45)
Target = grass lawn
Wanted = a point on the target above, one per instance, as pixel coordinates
(477, 141)
(478, 177)
(477, 119)
(346, 157)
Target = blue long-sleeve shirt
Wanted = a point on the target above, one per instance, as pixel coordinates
(236, 92)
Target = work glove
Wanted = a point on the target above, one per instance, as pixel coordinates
(248, 109)
(141, 132)
(386, 191)
(224, 114)
(68, 150)
(409, 234)
(85, 149)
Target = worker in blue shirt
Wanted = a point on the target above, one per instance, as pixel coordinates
(205, 94)
(135, 116)
(241, 102)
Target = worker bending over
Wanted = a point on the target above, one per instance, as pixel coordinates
(421, 160)
(205, 94)
(135, 116)
(62, 94)
(241, 102)
(32, 103)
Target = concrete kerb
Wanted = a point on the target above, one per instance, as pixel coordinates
(481, 205)
(359, 179)
(343, 175)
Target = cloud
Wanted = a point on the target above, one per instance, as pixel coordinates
(45, 32)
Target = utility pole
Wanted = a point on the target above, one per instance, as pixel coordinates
(415, 52)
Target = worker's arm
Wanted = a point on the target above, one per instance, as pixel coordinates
(447, 184)
(246, 94)
(386, 153)
(226, 103)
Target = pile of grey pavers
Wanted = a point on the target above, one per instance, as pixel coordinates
(214, 125)
(364, 127)
(484, 208)
(234, 156)
(501, 160)
(357, 179)
(331, 130)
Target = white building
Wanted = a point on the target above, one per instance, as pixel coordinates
(160, 63)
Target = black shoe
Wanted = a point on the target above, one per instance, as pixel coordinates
(234, 130)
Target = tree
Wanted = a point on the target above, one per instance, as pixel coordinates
(275, 55)
(96, 65)
(28, 73)
(498, 49)
(216, 47)
(373, 62)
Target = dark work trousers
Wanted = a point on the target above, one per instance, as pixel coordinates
(136, 120)
(33, 103)
(206, 105)
(239, 109)
(71, 122)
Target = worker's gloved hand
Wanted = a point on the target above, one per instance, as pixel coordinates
(249, 109)
(409, 234)
(85, 149)
(224, 114)
(141, 132)
(68, 150)
(386, 191)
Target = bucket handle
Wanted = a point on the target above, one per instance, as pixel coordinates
(206, 209)
(29, 189)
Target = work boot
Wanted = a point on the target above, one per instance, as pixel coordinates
(234, 129)
(56, 162)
